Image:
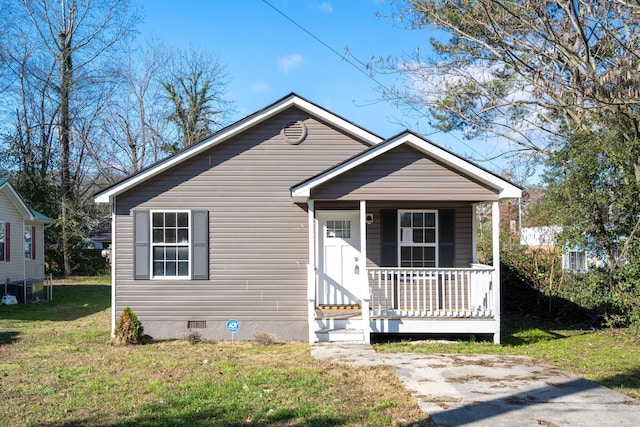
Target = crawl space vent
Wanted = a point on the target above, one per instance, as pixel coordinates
(294, 132)
(196, 324)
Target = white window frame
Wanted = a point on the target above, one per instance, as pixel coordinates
(153, 245)
(27, 254)
(577, 256)
(402, 243)
(4, 241)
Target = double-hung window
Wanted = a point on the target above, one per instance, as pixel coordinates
(28, 242)
(170, 244)
(418, 238)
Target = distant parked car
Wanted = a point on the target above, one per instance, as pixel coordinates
(9, 300)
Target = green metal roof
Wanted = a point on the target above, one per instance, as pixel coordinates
(37, 215)
(40, 217)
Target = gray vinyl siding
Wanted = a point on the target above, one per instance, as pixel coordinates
(403, 173)
(258, 238)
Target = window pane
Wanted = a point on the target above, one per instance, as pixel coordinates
(430, 220)
(158, 236)
(170, 219)
(171, 269)
(171, 253)
(418, 235)
(405, 220)
(183, 253)
(158, 253)
(418, 219)
(183, 236)
(416, 256)
(429, 235)
(158, 219)
(430, 255)
(158, 268)
(170, 236)
(183, 219)
(183, 268)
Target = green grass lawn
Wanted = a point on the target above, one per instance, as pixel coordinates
(58, 368)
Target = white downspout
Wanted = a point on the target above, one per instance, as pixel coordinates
(24, 264)
(113, 268)
(495, 229)
(364, 277)
(311, 272)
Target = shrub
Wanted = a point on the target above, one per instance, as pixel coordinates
(264, 339)
(192, 336)
(129, 330)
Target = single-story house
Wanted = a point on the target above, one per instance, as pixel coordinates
(21, 245)
(301, 224)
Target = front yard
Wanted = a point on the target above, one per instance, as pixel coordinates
(58, 368)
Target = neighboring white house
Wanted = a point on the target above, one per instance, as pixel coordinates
(21, 245)
(544, 238)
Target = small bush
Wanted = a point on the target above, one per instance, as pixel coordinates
(192, 336)
(264, 339)
(129, 330)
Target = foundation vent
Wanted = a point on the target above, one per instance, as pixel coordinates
(196, 324)
(294, 132)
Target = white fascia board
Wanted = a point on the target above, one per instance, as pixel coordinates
(17, 201)
(505, 189)
(233, 130)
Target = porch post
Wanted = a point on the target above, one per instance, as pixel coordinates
(474, 233)
(495, 230)
(364, 276)
(311, 272)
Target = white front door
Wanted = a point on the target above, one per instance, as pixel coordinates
(338, 258)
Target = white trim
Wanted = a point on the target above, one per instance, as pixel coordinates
(495, 231)
(233, 130)
(189, 245)
(505, 189)
(424, 245)
(113, 268)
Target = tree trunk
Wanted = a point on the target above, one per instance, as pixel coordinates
(64, 126)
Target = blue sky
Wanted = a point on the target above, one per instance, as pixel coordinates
(267, 56)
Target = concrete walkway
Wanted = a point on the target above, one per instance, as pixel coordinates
(484, 390)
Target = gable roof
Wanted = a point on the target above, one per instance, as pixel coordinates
(291, 100)
(301, 192)
(17, 200)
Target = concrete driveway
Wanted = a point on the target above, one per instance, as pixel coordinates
(483, 390)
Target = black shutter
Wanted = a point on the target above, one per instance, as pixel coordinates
(141, 244)
(389, 234)
(446, 237)
(200, 245)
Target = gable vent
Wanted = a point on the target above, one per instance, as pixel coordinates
(294, 132)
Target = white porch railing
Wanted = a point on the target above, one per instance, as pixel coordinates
(432, 292)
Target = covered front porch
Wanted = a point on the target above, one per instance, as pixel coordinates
(350, 297)
(392, 236)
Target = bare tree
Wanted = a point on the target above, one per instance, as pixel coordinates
(528, 71)
(196, 87)
(80, 36)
